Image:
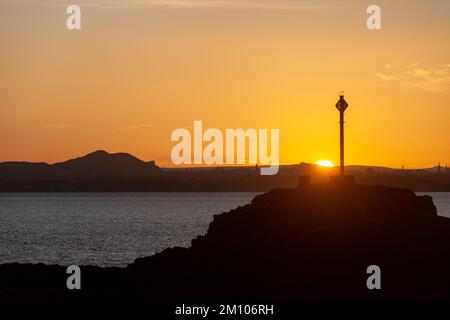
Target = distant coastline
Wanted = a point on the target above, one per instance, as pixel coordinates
(101, 171)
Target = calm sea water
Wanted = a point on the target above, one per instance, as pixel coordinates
(112, 229)
(106, 229)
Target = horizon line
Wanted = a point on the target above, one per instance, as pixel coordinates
(165, 165)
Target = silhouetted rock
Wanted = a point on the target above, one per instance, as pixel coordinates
(314, 242)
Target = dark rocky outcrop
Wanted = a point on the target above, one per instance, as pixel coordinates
(314, 242)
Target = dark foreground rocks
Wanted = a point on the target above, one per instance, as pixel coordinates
(314, 242)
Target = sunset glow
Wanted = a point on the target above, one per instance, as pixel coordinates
(124, 87)
(325, 163)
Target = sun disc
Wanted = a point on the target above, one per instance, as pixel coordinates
(325, 163)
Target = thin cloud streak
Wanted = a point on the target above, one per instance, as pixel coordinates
(56, 126)
(193, 4)
(385, 77)
(135, 127)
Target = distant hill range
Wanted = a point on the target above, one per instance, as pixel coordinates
(103, 171)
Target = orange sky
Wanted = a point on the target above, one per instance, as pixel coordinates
(140, 69)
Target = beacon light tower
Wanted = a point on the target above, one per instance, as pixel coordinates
(341, 105)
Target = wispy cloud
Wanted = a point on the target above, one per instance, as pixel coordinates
(385, 77)
(135, 127)
(435, 79)
(56, 126)
(430, 79)
(237, 4)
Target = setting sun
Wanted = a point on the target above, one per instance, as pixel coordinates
(325, 163)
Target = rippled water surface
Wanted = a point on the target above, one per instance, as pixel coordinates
(107, 229)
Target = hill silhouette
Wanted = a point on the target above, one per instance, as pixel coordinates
(101, 164)
(94, 167)
(313, 242)
(98, 164)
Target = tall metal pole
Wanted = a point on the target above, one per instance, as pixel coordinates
(341, 122)
(341, 105)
